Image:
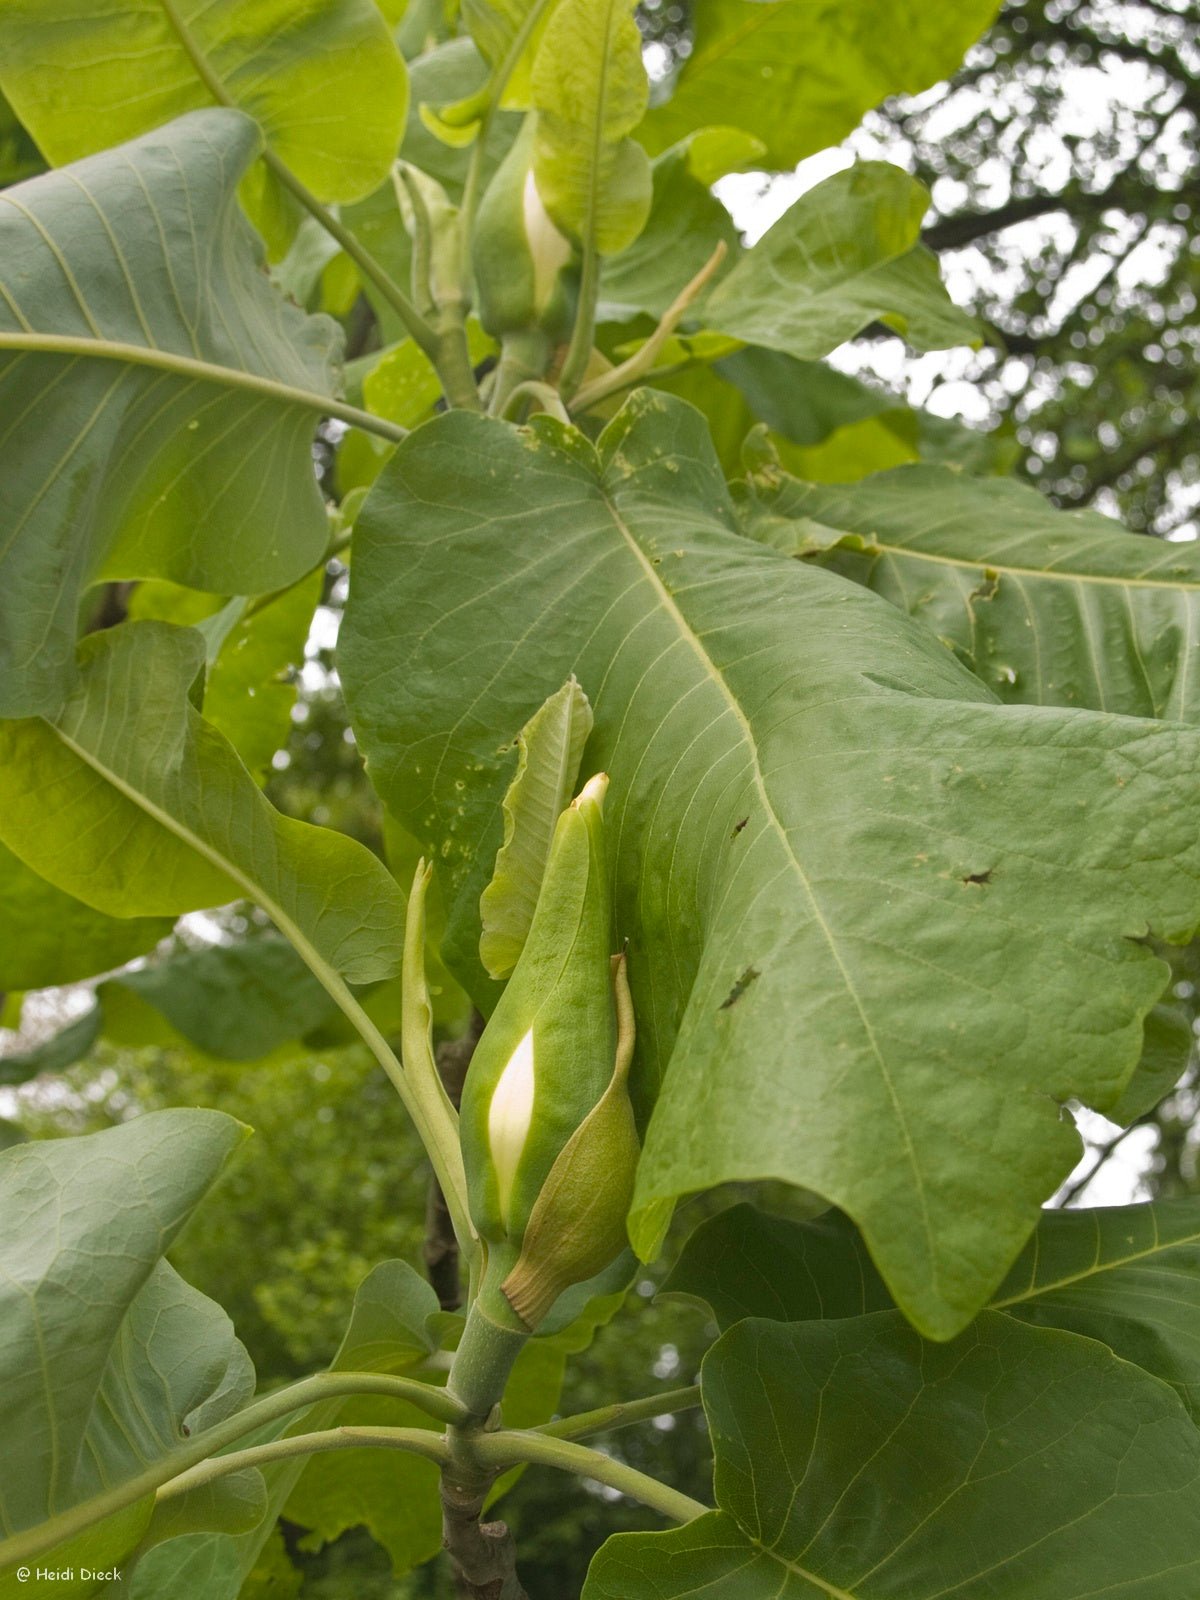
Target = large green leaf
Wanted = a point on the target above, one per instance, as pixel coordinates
(799, 74)
(324, 81)
(235, 1001)
(48, 937)
(1048, 607)
(105, 1369)
(508, 33)
(854, 1462)
(255, 650)
(158, 395)
(1126, 1275)
(880, 926)
(846, 254)
(590, 90)
(132, 802)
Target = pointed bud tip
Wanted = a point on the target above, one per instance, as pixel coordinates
(594, 790)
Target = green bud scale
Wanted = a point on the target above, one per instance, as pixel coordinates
(526, 276)
(549, 1140)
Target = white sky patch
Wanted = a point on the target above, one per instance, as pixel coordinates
(1096, 98)
(1121, 1178)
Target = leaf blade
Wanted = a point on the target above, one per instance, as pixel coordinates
(153, 382)
(815, 815)
(854, 1462)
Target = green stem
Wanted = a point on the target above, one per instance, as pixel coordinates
(506, 1449)
(298, 1396)
(524, 358)
(642, 361)
(358, 253)
(391, 291)
(454, 360)
(418, 1441)
(579, 351)
(492, 1340)
(137, 355)
(437, 1129)
(493, 1451)
(605, 1418)
(545, 393)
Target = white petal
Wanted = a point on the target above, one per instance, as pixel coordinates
(509, 1116)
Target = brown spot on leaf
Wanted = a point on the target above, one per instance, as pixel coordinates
(978, 877)
(738, 827)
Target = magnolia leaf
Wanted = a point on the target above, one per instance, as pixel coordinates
(392, 1322)
(508, 33)
(61, 1050)
(1048, 607)
(234, 1001)
(846, 254)
(590, 91)
(130, 800)
(1126, 1275)
(49, 938)
(805, 401)
(389, 1331)
(549, 750)
(325, 81)
(101, 1382)
(799, 74)
(1166, 1051)
(853, 1460)
(880, 927)
(254, 652)
(154, 385)
(394, 1325)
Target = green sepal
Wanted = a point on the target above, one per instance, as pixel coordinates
(577, 1225)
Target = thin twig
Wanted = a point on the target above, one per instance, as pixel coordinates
(1103, 1152)
(604, 1419)
(545, 394)
(643, 360)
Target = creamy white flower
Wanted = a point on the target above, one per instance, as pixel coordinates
(550, 249)
(509, 1116)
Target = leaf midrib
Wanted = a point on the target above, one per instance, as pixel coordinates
(197, 371)
(1097, 1270)
(301, 943)
(873, 545)
(687, 633)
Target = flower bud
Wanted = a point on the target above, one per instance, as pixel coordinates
(577, 1225)
(524, 266)
(548, 1136)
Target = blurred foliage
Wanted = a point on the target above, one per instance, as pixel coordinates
(1063, 161)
